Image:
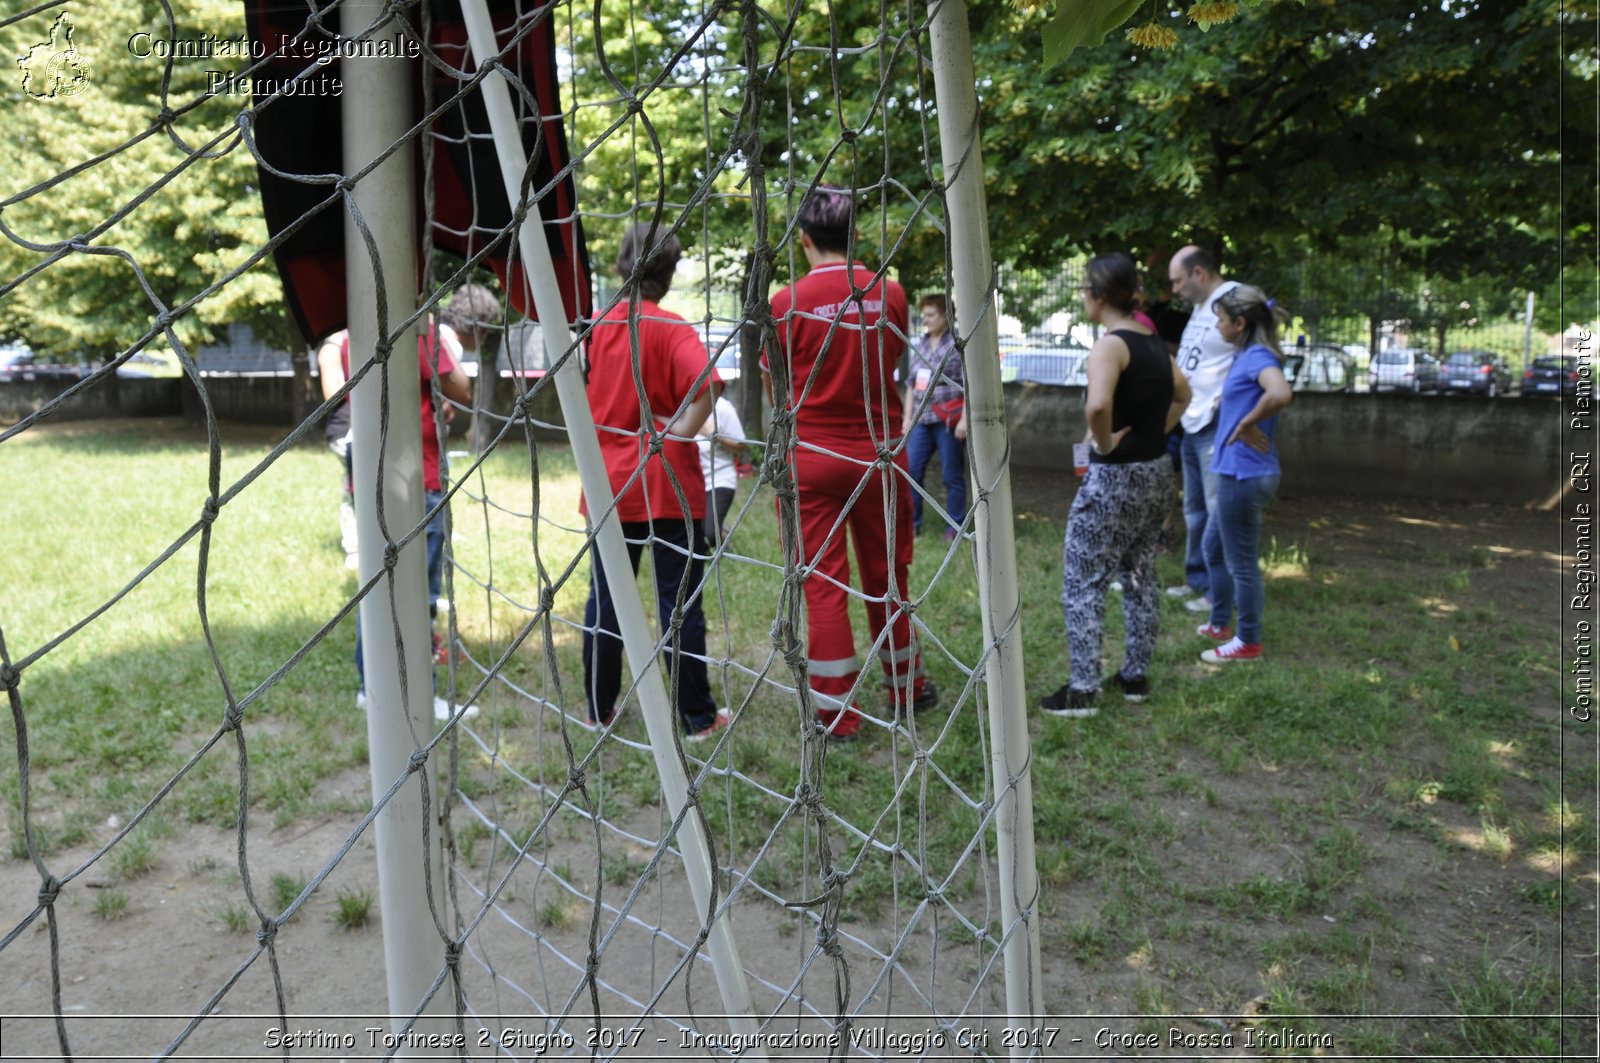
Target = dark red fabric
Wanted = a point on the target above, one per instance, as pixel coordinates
(300, 135)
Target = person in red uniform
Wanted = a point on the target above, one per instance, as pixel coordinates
(840, 331)
(677, 394)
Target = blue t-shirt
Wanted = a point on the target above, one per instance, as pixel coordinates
(1240, 393)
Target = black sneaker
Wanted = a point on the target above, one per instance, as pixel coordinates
(1074, 704)
(928, 699)
(1132, 689)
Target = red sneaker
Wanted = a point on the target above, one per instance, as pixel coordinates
(441, 652)
(1207, 631)
(1233, 650)
(717, 725)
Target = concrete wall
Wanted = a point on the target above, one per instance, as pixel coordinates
(258, 399)
(1502, 450)
(252, 399)
(270, 400)
(1472, 449)
(1466, 448)
(108, 398)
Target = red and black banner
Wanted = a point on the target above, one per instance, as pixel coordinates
(299, 133)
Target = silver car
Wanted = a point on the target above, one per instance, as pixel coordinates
(1320, 367)
(1404, 369)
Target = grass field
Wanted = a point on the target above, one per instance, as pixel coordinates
(1383, 819)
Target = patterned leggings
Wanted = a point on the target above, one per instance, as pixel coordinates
(1112, 533)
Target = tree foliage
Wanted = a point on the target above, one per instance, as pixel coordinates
(806, 98)
(158, 190)
(1298, 127)
(1440, 133)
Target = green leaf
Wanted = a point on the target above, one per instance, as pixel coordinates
(1083, 24)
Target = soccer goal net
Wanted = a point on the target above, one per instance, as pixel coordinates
(573, 856)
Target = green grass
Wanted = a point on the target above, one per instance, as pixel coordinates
(1508, 1008)
(353, 910)
(620, 870)
(553, 915)
(135, 856)
(284, 888)
(123, 703)
(234, 917)
(1364, 727)
(111, 905)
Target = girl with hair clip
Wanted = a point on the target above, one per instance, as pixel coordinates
(1246, 464)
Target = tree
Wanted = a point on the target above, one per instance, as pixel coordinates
(1441, 306)
(741, 126)
(168, 201)
(1296, 129)
(1299, 126)
(1373, 142)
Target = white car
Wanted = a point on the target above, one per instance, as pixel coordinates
(1404, 369)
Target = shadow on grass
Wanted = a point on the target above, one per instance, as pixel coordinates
(105, 730)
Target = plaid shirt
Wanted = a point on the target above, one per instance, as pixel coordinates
(940, 359)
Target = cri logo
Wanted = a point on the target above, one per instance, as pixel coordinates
(55, 68)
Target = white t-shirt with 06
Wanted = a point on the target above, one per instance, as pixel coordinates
(1204, 356)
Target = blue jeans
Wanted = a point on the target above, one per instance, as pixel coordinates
(920, 445)
(677, 554)
(435, 547)
(1238, 582)
(435, 550)
(1201, 549)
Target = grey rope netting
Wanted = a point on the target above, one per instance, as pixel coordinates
(861, 882)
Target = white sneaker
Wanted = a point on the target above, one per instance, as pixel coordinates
(441, 707)
(1201, 604)
(441, 710)
(1182, 590)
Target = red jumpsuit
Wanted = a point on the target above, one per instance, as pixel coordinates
(847, 410)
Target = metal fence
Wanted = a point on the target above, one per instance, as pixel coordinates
(1342, 313)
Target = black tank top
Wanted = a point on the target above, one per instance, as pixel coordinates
(1142, 399)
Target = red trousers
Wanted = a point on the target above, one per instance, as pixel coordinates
(825, 486)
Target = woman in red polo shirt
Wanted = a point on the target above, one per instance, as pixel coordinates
(661, 499)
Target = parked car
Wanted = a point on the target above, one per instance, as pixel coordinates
(13, 362)
(22, 365)
(727, 363)
(1404, 369)
(1554, 374)
(1319, 367)
(149, 364)
(1045, 365)
(1476, 371)
(722, 344)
